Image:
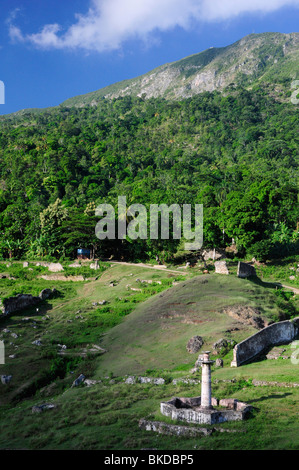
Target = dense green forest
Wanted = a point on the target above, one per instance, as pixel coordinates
(235, 153)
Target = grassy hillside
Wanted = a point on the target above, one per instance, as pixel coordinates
(145, 327)
(155, 335)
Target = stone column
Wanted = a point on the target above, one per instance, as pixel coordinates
(206, 393)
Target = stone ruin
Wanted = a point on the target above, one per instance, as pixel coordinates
(22, 301)
(245, 270)
(221, 267)
(205, 409)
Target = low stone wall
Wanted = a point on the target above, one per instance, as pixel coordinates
(21, 301)
(278, 333)
(188, 409)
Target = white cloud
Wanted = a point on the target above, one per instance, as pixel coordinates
(108, 23)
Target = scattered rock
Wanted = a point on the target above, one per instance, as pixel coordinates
(78, 381)
(276, 353)
(248, 315)
(14, 335)
(219, 362)
(221, 343)
(91, 383)
(130, 380)
(173, 429)
(37, 342)
(186, 381)
(212, 254)
(221, 267)
(199, 361)
(41, 408)
(55, 267)
(25, 264)
(194, 344)
(6, 379)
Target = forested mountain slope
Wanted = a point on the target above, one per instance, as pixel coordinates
(234, 153)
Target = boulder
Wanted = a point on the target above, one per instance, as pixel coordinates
(5, 379)
(219, 362)
(194, 344)
(212, 254)
(55, 267)
(221, 267)
(78, 381)
(41, 408)
(45, 294)
(221, 343)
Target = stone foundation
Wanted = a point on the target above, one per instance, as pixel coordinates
(189, 410)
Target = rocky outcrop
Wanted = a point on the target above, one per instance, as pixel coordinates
(194, 344)
(248, 315)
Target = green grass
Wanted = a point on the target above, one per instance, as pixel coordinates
(106, 417)
(145, 332)
(156, 333)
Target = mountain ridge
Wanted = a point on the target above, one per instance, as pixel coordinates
(265, 57)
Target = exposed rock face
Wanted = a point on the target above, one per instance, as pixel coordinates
(248, 315)
(221, 267)
(245, 270)
(194, 344)
(213, 69)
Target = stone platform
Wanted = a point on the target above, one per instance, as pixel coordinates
(190, 411)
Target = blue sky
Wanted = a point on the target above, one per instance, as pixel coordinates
(52, 50)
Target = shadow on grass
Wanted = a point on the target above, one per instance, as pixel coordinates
(268, 285)
(269, 397)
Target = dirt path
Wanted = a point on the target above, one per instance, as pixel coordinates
(294, 289)
(142, 265)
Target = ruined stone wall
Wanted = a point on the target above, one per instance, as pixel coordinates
(278, 333)
(21, 301)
